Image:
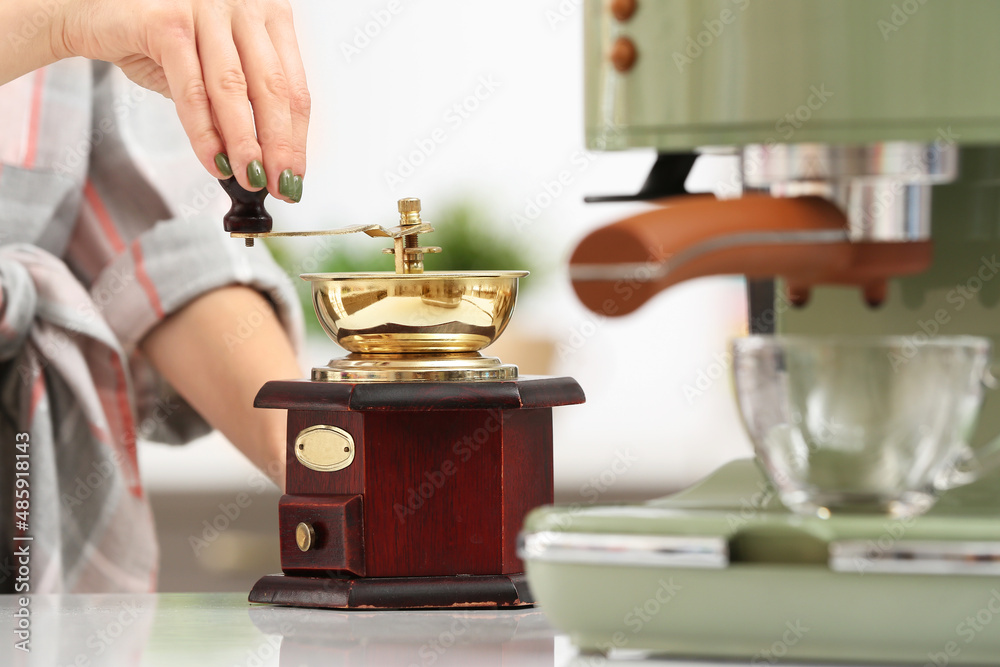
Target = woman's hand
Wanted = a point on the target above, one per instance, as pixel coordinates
(216, 59)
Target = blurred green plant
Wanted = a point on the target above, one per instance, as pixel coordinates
(469, 237)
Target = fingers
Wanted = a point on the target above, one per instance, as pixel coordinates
(267, 89)
(282, 32)
(187, 88)
(228, 93)
(240, 89)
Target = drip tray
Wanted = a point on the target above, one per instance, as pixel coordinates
(724, 571)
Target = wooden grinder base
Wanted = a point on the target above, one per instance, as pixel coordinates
(475, 591)
(428, 511)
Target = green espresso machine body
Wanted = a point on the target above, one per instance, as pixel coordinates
(738, 72)
(891, 110)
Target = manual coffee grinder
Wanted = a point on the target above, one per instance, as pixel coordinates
(412, 461)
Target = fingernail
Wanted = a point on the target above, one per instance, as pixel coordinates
(297, 184)
(256, 175)
(286, 184)
(222, 164)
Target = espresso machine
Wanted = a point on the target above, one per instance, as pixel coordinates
(867, 202)
(412, 461)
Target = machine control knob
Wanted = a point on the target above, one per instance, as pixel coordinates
(623, 9)
(305, 536)
(623, 54)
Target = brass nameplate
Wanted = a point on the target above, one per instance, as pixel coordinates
(324, 448)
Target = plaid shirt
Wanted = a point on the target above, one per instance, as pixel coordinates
(93, 256)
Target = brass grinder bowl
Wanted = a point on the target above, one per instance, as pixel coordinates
(414, 313)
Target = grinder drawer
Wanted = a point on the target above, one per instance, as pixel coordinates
(322, 533)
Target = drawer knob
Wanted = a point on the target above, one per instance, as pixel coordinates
(305, 536)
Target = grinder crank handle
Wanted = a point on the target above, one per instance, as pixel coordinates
(247, 214)
(247, 218)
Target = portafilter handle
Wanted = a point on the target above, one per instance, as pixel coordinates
(804, 240)
(247, 214)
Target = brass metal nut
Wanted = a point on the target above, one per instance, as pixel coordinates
(409, 205)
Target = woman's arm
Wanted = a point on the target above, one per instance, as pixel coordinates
(30, 27)
(193, 350)
(217, 59)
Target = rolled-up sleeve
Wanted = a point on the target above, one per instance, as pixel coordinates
(177, 261)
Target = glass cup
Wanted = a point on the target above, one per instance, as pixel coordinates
(863, 424)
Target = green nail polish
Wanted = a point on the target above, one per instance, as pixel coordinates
(256, 175)
(297, 181)
(286, 184)
(222, 164)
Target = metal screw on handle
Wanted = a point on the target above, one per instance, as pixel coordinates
(409, 216)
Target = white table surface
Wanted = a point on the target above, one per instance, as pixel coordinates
(223, 629)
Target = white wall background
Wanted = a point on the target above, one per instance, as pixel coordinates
(373, 105)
